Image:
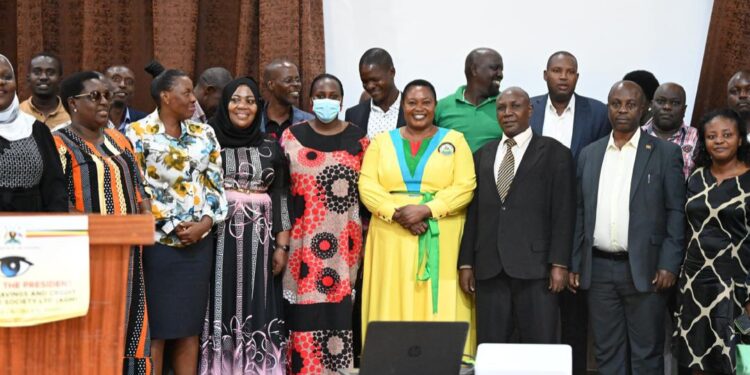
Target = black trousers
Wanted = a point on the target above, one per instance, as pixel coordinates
(505, 304)
(574, 326)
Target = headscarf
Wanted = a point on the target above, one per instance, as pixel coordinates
(14, 124)
(227, 133)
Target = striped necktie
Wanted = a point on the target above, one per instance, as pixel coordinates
(506, 171)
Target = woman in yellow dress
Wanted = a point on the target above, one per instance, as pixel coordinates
(417, 181)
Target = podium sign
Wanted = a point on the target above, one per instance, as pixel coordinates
(89, 344)
(44, 269)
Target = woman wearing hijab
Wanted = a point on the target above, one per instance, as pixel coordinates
(31, 178)
(244, 333)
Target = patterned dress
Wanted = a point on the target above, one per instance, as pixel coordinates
(104, 178)
(326, 242)
(713, 282)
(244, 331)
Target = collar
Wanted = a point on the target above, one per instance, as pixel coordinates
(460, 97)
(632, 142)
(395, 106)
(57, 110)
(187, 127)
(570, 108)
(648, 127)
(521, 138)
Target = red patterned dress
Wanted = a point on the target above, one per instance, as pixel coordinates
(326, 242)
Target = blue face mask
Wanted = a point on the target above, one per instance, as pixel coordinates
(326, 110)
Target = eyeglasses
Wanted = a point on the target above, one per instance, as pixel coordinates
(95, 96)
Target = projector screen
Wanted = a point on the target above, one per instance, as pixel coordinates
(430, 40)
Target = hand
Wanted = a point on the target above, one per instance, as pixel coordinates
(280, 258)
(190, 232)
(418, 228)
(558, 277)
(663, 280)
(574, 281)
(466, 280)
(411, 214)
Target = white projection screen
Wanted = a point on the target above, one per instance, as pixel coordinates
(430, 40)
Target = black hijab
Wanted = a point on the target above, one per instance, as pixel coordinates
(228, 134)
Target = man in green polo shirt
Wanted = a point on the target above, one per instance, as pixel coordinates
(471, 109)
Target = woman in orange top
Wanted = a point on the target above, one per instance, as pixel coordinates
(103, 177)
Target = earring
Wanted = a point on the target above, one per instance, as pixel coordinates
(75, 109)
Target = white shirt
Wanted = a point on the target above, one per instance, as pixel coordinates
(380, 121)
(559, 127)
(522, 143)
(613, 202)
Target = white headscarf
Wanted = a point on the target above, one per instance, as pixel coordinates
(14, 124)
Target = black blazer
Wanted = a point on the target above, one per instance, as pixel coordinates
(590, 122)
(360, 114)
(533, 228)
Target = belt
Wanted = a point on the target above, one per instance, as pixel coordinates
(618, 256)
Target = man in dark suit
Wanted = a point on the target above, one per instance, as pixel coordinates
(120, 112)
(629, 236)
(572, 119)
(383, 111)
(575, 121)
(518, 234)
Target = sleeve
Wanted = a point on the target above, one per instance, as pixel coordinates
(67, 166)
(375, 197)
(52, 185)
(280, 191)
(137, 148)
(672, 249)
(563, 213)
(138, 181)
(579, 235)
(452, 199)
(215, 205)
(466, 253)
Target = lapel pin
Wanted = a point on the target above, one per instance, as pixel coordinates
(648, 146)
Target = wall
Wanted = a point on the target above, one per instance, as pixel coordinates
(430, 39)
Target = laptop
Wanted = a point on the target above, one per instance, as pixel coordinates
(413, 348)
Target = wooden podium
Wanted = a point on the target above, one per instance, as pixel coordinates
(95, 343)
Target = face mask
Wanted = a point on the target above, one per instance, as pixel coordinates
(326, 110)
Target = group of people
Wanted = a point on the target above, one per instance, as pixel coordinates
(281, 233)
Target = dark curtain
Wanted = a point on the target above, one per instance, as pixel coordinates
(192, 35)
(727, 51)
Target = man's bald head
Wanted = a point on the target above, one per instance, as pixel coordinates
(281, 78)
(626, 103)
(273, 68)
(513, 111)
(209, 86)
(484, 71)
(738, 94)
(668, 107)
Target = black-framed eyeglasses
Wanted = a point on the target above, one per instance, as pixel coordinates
(95, 95)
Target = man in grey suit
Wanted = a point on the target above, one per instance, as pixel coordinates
(629, 237)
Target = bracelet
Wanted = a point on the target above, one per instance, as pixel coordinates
(283, 247)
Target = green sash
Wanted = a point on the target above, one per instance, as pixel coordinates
(428, 261)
